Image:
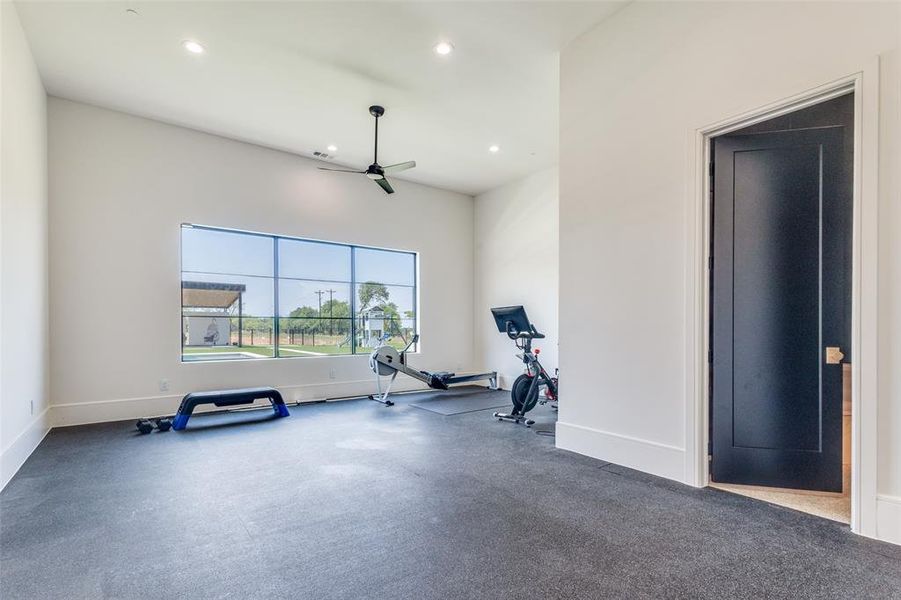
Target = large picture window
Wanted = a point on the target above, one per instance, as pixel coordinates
(249, 295)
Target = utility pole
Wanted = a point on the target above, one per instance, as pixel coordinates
(319, 314)
(331, 306)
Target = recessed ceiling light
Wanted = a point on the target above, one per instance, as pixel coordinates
(494, 149)
(332, 148)
(444, 48)
(193, 47)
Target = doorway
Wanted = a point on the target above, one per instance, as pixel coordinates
(780, 308)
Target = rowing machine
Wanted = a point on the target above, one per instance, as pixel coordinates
(385, 360)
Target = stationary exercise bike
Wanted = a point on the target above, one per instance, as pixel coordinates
(534, 386)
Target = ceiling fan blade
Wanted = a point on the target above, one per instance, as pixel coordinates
(340, 170)
(399, 167)
(385, 185)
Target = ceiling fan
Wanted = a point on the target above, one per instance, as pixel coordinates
(375, 171)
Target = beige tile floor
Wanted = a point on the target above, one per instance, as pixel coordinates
(823, 504)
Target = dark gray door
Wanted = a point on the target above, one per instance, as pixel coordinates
(781, 225)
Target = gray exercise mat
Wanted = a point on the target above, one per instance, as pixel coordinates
(462, 400)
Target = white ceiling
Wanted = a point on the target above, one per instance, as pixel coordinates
(299, 76)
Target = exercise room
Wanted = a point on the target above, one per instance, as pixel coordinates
(455, 299)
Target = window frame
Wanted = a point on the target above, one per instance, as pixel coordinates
(276, 318)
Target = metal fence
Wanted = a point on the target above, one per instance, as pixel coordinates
(295, 336)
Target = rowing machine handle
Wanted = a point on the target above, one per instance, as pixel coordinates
(403, 352)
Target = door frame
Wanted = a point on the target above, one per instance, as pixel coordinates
(865, 86)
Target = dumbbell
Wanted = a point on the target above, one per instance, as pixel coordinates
(147, 425)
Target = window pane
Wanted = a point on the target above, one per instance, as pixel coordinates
(309, 336)
(385, 266)
(226, 317)
(313, 260)
(307, 298)
(314, 319)
(206, 251)
(384, 309)
(396, 300)
(371, 329)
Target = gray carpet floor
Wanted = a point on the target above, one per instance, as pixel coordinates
(355, 500)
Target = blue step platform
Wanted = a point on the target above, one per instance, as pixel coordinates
(227, 398)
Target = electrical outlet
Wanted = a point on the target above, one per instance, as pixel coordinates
(164, 385)
(331, 373)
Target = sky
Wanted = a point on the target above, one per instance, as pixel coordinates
(229, 257)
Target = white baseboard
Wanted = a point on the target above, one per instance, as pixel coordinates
(103, 411)
(888, 518)
(15, 455)
(643, 455)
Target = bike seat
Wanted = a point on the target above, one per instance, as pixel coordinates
(438, 380)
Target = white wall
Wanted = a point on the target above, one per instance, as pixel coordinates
(889, 447)
(516, 262)
(23, 250)
(633, 92)
(120, 186)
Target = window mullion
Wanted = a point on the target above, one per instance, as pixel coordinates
(275, 349)
(353, 299)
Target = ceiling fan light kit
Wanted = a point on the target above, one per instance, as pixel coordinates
(375, 171)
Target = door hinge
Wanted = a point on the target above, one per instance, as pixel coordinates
(710, 169)
(710, 262)
(710, 356)
(709, 448)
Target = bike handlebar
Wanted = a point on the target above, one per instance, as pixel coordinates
(514, 334)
